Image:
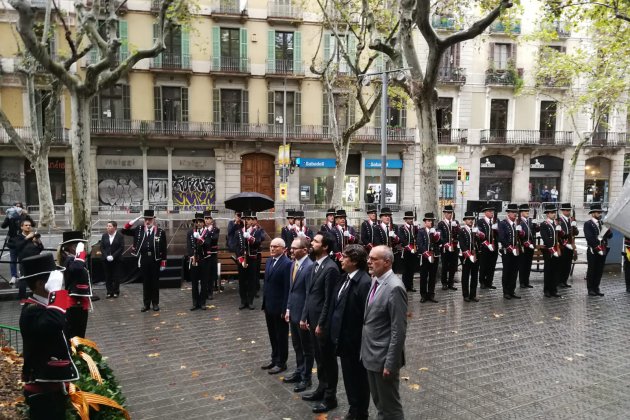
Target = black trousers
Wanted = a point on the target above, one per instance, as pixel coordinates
(199, 284)
(550, 273)
(356, 383)
(470, 274)
(510, 272)
(327, 369)
(304, 353)
(212, 272)
(566, 260)
(247, 280)
(278, 330)
(449, 268)
(487, 265)
(150, 272)
(77, 320)
(626, 270)
(428, 272)
(594, 271)
(525, 266)
(47, 405)
(410, 267)
(112, 276)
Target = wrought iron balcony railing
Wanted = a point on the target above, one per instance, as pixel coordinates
(559, 138)
(561, 28)
(60, 135)
(229, 7)
(285, 67)
(452, 75)
(501, 28)
(284, 11)
(452, 135)
(230, 64)
(444, 23)
(507, 77)
(171, 61)
(618, 139)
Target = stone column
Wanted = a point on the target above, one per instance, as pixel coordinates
(169, 186)
(520, 179)
(145, 178)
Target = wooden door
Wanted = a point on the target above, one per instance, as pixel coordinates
(258, 175)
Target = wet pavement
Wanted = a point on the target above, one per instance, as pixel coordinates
(537, 357)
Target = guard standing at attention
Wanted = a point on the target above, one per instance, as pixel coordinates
(489, 252)
(72, 257)
(428, 246)
(469, 242)
(329, 225)
(209, 265)
(597, 249)
(551, 252)
(369, 238)
(567, 239)
(448, 228)
(528, 245)
(195, 240)
(248, 241)
(288, 233)
(408, 233)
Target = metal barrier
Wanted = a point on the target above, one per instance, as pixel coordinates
(10, 337)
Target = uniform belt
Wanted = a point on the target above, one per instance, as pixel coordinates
(147, 254)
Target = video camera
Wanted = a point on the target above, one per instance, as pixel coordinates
(14, 212)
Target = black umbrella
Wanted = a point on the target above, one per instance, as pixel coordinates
(252, 201)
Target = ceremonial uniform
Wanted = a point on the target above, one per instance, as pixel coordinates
(195, 244)
(626, 261)
(597, 250)
(77, 283)
(300, 229)
(408, 233)
(344, 235)
(448, 243)
(488, 253)
(287, 233)
(551, 253)
(209, 264)
(330, 221)
(369, 239)
(248, 241)
(387, 234)
(149, 246)
(428, 247)
(528, 246)
(469, 246)
(509, 238)
(567, 239)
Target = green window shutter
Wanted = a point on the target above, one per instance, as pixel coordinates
(124, 40)
(271, 51)
(271, 107)
(377, 114)
(185, 47)
(126, 102)
(184, 104)
(94, 107)
(245, 107)
(403, 116)
(326, 47)
(243, 37)
(157, 103)
(380, 62)
(351, 110)
(216, 49)
(216, 106)
(352, 48)
(297, 52)
(157, 61)
(325, 112)
(297, 118)
(93, 55)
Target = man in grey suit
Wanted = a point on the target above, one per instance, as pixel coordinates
(384, 331)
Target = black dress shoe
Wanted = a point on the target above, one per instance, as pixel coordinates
(547, 294)
(109, 296)
(492, 287)
(156, 308)
(313, 396)
(115, 295)
(144, 309)
(515, 296)
(452, 288)
(277, 369)
(291, 379)
(565, 285)
(444, 287)
(591, 293)
(474, 299)
(252, 307)
(423, 299)
(302, 386)
(268, 366)
(432, 300)
(194, 308)
(466, 299)
(599, 294)
(483, 286)
(242, 307)
(529, 286)
(506, 296)
(325, 406)
(556, 295)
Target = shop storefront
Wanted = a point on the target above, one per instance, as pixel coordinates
(447, 167)
(373, 180)
(596, 180)
(495, 177)
(57, 175)
(12, 185)
(545, 174)
(317, 179)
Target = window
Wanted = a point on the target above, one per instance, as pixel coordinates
(172, 56)
(284, 52)
(548, 111)
(498, 119)
(333, 50)
(444, 118)
(231, 108)
(112, 104)
(42, 99)
(501, 56)
(171, 105)
(275, 110)
(230, 43)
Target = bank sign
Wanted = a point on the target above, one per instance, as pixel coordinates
(315, 163)
(376, 164)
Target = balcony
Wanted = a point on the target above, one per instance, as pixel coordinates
(452, 75)
(171, 62)
(223, 131)
(558, 82)
(284, 68)
(504, 77)
(500, 28)
(60, 135)
(452, 135)
(443, 23)
(527, 137)
(562, 29)
(610, 139)
(284, 13)
(228, 10)
(230, 65)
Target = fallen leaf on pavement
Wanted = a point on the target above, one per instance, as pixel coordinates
(423, 369)
(579, 355)
(194, 374)
(570, 359)
(182, 367)
(181, 313)
(414, 387)
(556, 318)
(497, 315)
(153, 354)
(406, 378)
(219, 397)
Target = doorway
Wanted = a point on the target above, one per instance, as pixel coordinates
(258, 175)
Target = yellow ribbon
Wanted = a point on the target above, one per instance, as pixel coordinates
(75, 341)
(628, 253)
(92, 367)
(83, 401)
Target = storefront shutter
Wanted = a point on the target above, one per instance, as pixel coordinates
(184, 104)
(157, 61)
(157, 103)
(124, 40)
(325, 112)
(271, 107)
(326, 47)
(297, 52)
(245, 107)
(216, 49)
(185, 47)
(297, 117)
(243, 37)
(126, 99)
(271, 51)
(216, 106)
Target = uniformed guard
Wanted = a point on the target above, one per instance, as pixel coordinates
(567, 239)
(195, 241)
(408, 233)
(469, 242)
(626, 261)
(551, 251)
(301, 230)
(209, 265)
(528, 246)
(72, 257)
(428, 246)
(329, 225)
(149, 245)
(248, 242)
(369, 239)
(47, 365)
(597, 249)
(288, 232)
(510, 232)
(488, 253)
(449, 229)
(343, 234)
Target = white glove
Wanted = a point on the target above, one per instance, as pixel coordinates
(574, 223)
(558, 228)
(132, 221)
(555, 254)
(475, 229)
(495, 226)
(569, 246)
(162, 268)
(110, 258)
(531, 246)
(472, 259)
(432, 230)
(80, 248)
(392, 233)
(515, 252)
(196, 235)
(55, 281)
(519, 228)
(346, 233)
(246, 235)
(453, 223)
(301, 234)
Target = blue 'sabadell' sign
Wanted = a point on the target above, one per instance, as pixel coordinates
(376, 163)
(316, 163)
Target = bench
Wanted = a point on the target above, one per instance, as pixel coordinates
(229, 267)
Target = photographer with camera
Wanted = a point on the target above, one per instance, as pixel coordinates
(14, 217)
(27, 244)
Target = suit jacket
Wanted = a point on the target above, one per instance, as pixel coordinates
(211, 241)
(249, 247)
(115, 249)
(384, 238)
(346, 314)
(408, 235)
(368, 233)
(230, 239)
(297, 290)
(508, 236)
(319, 290)
(341, 240)
(468, 241)
(448, 234)
(591, 233)
(425, 243)
(548, 234)
(276, 286)
(385, 326)
(491, 238)
(529, 229)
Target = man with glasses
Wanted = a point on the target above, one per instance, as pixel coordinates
(27, 244)
(14, 217)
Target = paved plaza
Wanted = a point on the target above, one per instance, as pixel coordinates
(541, 358)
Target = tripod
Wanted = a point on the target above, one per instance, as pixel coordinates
(4, 245)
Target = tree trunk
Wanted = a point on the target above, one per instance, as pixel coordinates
(341, 153)
(81, 179)
(427, 153)
(46, 207)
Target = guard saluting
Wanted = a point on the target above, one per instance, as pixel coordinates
(597, 250)
(195, 244)
(448, 228)
(567, 239)
(429, 248)
(469, 244)
(509, 235)
(551, 252)
(528, 244)
(408, 233)
(368, 234)
(149, 245)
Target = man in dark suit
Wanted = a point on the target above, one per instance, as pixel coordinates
(301, 271)
(597, 249)
(551, 252)
(275, 296)
(428, 246)
(509, 236)
(149, 245)
(209, 265)
(346, 324)
(468, 238)
(448, 228)
(567, 239)
(489, 252)
(319, 291)
(112, 247)
(384, 333)
(528, 245)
